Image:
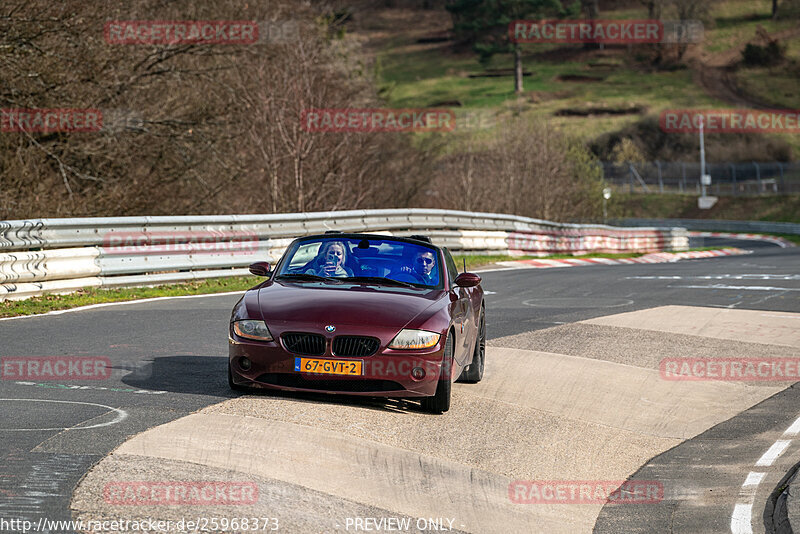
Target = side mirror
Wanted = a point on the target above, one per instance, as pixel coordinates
(468, 280)
(260, 268)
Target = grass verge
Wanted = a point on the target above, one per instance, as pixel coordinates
(567, 78)
(86, 297)
(769, 208)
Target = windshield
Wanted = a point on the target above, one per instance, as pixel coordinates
(365, 260)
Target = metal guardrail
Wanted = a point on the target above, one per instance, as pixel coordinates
(713, 225)
(61, 255)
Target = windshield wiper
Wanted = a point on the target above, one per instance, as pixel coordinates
(304, 277)
(380, 280)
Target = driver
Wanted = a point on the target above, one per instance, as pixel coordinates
(424, 263)
(332, 261)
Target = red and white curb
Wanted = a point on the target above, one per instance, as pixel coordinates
(657, 257)
(781, 242)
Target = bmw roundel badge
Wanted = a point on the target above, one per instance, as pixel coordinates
(330, 328)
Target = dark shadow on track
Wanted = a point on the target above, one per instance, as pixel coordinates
(207, 375)
(199, 375)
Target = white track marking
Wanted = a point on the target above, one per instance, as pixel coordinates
(742, 517)
(743, 511)
(794, 429)
(105, 304)
(563, 302)
(726, 306)
(740, 288)
(73, 387)
(121, 416)
(655, 278)
(721, 277)
(773, 453)
(753, 479)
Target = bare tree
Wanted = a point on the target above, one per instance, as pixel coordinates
(527, 169)
(654, 8)
(190, 128)
(689, 10)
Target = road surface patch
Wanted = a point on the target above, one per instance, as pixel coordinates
(536, 416)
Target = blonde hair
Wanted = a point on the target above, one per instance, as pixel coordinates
(327, 246)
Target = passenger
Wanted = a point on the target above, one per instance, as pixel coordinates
(333, 256)
(424, 263)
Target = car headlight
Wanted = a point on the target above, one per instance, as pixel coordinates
(250, 329)
(414, 339)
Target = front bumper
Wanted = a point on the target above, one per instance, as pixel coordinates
(387, 373)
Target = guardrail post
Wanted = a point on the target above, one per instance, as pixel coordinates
(734, 189)
(758, 177)
(660, 178)
(630, 175)
(783, 186)
(683, 178)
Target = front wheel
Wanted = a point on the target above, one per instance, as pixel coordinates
(440, 402)
(474, 371)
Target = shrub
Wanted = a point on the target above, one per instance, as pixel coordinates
(772, 53)
(527, 168)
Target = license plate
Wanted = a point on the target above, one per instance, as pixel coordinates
(328, 367)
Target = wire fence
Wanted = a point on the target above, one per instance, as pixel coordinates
(727, 179)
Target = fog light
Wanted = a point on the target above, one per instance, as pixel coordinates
(418, 373)
(245, 364)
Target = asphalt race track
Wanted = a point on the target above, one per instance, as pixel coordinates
(573, 393)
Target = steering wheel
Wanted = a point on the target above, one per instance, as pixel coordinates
(410, 276)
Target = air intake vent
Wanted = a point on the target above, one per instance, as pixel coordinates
(302, 343)
(345, 384)
(355, 346)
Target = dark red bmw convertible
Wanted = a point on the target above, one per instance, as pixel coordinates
(360, 314)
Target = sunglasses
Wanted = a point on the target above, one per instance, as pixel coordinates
(426, 261)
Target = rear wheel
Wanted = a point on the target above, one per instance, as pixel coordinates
(440, 402)
(474, 371)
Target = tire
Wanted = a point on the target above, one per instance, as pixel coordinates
(440, 402)
(474, 371)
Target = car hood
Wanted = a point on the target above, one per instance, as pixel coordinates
(287, 303)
